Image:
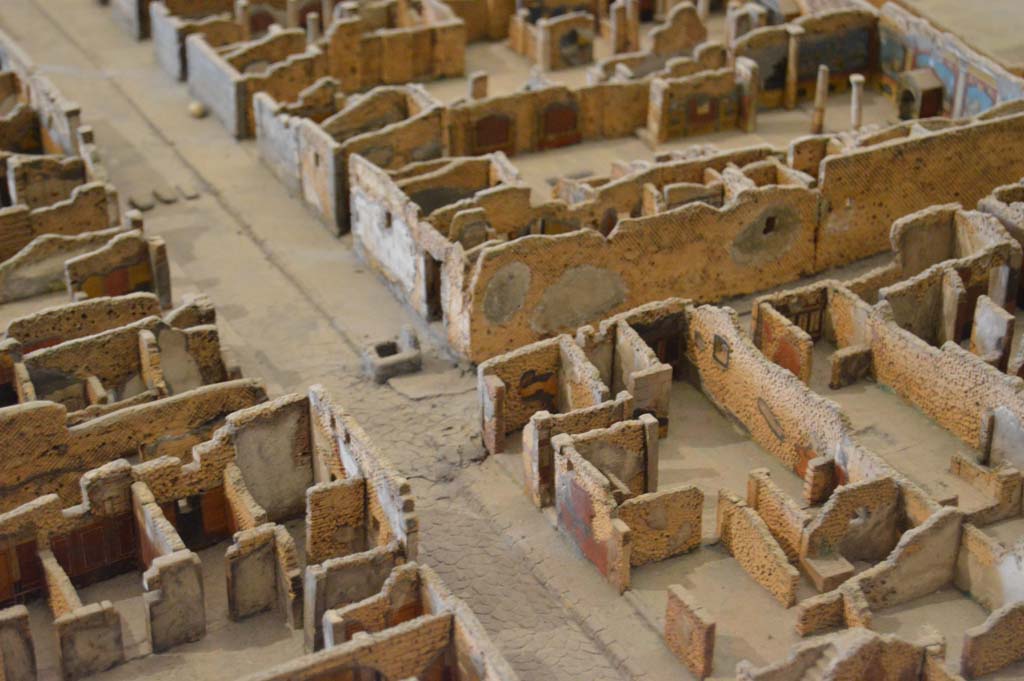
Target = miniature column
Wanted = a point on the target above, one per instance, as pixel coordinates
(856, 101)
(243, 16)
(543, 44)
(620, 36)
(478, 85)
(732, 11)
(792, 65)
(703, 9)
(820, 99)
(633, 24)
(326, 12)
(312, 28)
(292, 14)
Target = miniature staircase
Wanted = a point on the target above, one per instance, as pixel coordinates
(816, 672)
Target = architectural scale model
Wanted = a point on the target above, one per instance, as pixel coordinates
(539, 340)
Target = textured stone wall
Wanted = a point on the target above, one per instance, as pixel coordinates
(335, 519)
(746, 537)
(689, 631)
(780, 513)
(993, 574)
(400, 600)
(779, 411)
(17, 656)
(662, 524)
(783, 342)
(996, 643)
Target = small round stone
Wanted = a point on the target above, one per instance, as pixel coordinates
(197, 109)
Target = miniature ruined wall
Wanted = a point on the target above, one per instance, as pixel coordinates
(746, 537)
(52, 456)
(853, 654)
(783, 342)
(637, 369)
(343, 450)
(335, 519)
(538, 456)
(171, 21)
(662, 524)
(39, 181)
(56, 325)
(273, 452)
(221, 83)
(763, 238)
(19, 126)
(990, 572)
(251, 572)
(127, 263)
(245, 513)
(860, 521)
(552, 375)
(971, 83)
(781, 514)
(549, 117)
(88, 636)
(995, 644)
(17, 656)
(932, 379)
(923, 562)
(174, 600)
(627, 450)
(84, 210)
(689, 631)
(341, 581)
(324, 151)
(172, 580)
(413, 649)
(702, 103)
(1001, 484)
(156, 535)
(585, 507)
(866, 188)
(128, 360)
(38, 268)
(400, 599)
(844, 40)
(781, 414)
(277, 126)
(432, 49)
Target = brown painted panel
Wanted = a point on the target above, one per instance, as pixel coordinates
(559, 126)
(215, 513)
(93, 542)
(493, 133)
(30, 568)
(6, 577)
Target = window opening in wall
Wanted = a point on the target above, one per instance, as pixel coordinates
(720, 351)
(769, 225)
(388, 219)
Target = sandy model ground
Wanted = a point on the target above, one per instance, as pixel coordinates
(297, 306)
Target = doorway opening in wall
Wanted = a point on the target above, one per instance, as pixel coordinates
(769, 225)
(8, 395)
(189, 522)
(908, 105)
(432, 277)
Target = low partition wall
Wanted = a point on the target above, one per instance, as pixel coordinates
(747, 538)
(263, 573)
(605, 503)
(88, 636)
(173, 578)
(553, 375)
(17, 655)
